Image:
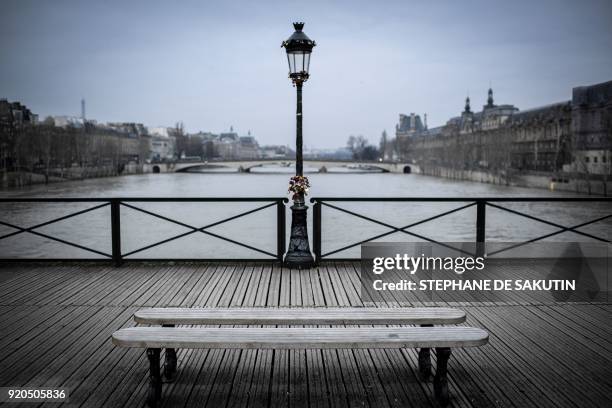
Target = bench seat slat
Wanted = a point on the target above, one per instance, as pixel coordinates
(299, 338)
(300, 316)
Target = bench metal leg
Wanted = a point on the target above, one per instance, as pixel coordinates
(169, 361)
(170, 365)
(425, 360)
(424, 364)
(440, 380)
(155, 384)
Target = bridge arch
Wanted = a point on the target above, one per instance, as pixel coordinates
(322, 165)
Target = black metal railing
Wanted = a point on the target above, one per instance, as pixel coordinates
(481, 204)
(117, 256)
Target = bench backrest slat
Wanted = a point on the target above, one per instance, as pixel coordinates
(300, 316)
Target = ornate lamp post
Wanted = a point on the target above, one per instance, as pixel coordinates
(298, 48)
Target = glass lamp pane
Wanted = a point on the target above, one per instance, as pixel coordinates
(292, 64)
(299, 61)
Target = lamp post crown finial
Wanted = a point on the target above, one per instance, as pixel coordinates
(298, 26)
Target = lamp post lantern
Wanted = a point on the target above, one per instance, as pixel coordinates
(298, 48)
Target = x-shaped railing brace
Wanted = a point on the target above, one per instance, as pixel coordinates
(562, 228)
(395, 229)
(21, 230)
(195, 229)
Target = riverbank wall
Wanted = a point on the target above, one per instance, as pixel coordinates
(565, 183)
(13, 179)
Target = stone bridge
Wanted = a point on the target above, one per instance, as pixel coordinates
(246, 165)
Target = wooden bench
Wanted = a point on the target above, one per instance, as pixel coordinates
(424, 316)
(425, 337)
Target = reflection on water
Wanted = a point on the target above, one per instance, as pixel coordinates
(259, 229)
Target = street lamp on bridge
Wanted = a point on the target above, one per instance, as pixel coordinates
(299, 48)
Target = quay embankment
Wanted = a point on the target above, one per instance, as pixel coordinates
(572, 183)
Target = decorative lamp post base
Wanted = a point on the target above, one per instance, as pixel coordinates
(298, 255)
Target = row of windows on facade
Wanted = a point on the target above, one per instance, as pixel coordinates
(587, 159)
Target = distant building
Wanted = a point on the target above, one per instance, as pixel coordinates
(248, 147)
(342, 153)
(409, 125)
(226, 145)
(592, 128)
(129, 129)
(15, 114)
(277, 152)
(66, 121)
(566, 136)
(160, 131)
(229, 146)
(13, 117)
(162, 144)
(161, 148)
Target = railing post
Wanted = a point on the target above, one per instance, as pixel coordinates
(280, 230)
(481, 222)
(316, 231)
(116, 231)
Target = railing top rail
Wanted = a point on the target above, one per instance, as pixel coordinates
(464, 199)
(140, 199)
(314, 199)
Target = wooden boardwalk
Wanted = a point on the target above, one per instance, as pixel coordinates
(56, 322)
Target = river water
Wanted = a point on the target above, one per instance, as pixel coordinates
(258, 229)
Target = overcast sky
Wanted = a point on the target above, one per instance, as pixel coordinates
(214, 65)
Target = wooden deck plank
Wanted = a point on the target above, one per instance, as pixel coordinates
(57, 320)
(178, 393)
(44, 283)
(279, 382)
(336, 387)
(583, 355)
(19, 367)
(13, 327)
(355, 389)
(520, 349)
(201, 298)
(241, 286)
(316, 381)
(241, 383)
(41, 337)
(86, 364)
(204, 381)
(225, 277)
(100, 382)
(587, 334)
(51, 283)
(193, 275)
(549, 346)
(78, 282)
(259, 390)
(17, 275)
(402, 390)
(224, 380)
(253, 288)
(263, 289)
